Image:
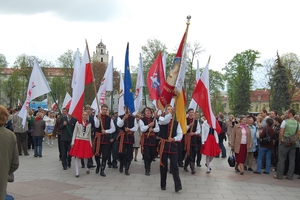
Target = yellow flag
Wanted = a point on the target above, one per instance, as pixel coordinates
(180, 112)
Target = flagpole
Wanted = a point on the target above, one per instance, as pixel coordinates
(52, 95)
(95, 90)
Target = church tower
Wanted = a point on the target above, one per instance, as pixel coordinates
(101, 55)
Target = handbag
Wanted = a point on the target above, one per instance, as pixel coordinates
(266, 139)
(290, 140)
(231, 160)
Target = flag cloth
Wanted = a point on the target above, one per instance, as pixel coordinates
(105, 85)
(164, 61)
(54, 105)
(168, 88)
(19, 102)
(45, 100)
(121, 96)
(67, 100)
(202, 97)
(156, 78)
(37, 86)
(181, 100)
(139, 87)
(128, 92)
(84, 77)
(193, 103)
(76, 67)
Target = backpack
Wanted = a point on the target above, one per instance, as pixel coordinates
(8, 125)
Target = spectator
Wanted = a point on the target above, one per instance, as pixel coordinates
(265, 149)
(277, 123)
(230, 124)
(9, 158)
(38, 134)
(287, 145)
(250, 154)
(241, 143)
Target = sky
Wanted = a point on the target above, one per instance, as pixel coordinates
(46, 29)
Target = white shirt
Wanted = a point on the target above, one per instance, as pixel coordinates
(166, 120)
(108, 131)
(144, 127)
(120, 124)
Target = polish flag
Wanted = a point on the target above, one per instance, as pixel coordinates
(121, 96)
(193, 103)
(202, 98)
(67, 101)
(84, 77)
(54, 105)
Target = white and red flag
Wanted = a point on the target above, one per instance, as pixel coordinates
(138, 97)
(37, 86)
(19, 102)
(105, 85)
(202, 97)
(76, 67)
(67, 101)
(54, 105)
(84, 77)
(121, 105)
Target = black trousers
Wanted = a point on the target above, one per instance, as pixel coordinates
(174, 168)
(104, 148)
(65, 149)
(198, 153)
(180, 158)
(127, 154)
(191, 158)
(30, 144)
(149, 153)
(59, 146)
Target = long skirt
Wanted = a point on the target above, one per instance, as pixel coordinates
(242, 155)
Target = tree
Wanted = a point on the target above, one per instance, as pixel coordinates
(216, 84)
(12, 88)
(238, 73)
(3, 62)
(59, 86)
(291, 62)
(280, 98)
(193, 51)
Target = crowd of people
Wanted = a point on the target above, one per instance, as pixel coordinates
(108, 141)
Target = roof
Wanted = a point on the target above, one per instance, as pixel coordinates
(259, 95)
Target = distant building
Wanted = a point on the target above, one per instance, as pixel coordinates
(101, 55)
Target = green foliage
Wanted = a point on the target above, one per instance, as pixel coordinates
(280, 98)
(238, 73)
(12, 88)
(3, 62)
(59, 86)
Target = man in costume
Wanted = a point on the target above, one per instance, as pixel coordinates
(191, 137)
(170, 132)
(104, 130)
(128, 125)
(150, 130)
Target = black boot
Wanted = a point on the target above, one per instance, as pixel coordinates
(121, 167)
(102, 170)
(98, 165)
(127, 168)
(192, 168)
(185, 167)
(147, 168)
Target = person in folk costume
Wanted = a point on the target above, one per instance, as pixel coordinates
(81, 145)
(128, 125)
(210, 146)
(102, 138)
(193, 129)
(168, 148)
(150, 130)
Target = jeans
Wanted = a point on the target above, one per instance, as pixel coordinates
(38, 144)
(261, 153)
(221, 145)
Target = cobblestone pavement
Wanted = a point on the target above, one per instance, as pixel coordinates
(44, 178)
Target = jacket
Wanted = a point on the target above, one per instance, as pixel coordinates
(236, 138)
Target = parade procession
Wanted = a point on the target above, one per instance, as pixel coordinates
(134, 129)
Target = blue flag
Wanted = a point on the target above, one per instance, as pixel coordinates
(128, 92)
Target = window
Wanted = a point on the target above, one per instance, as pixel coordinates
(101, 51)
(101, 59)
